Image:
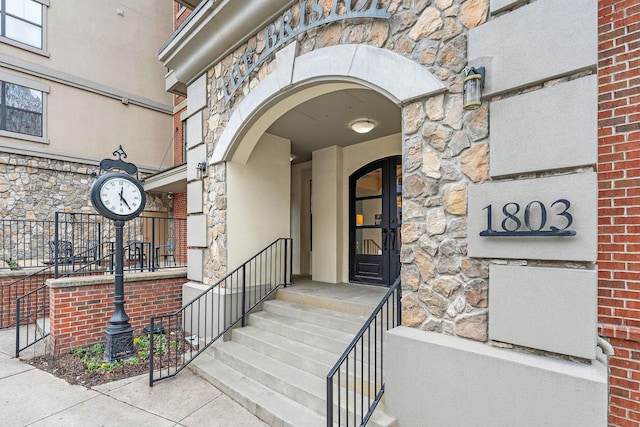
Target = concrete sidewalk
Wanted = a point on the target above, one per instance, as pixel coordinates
(31, 397)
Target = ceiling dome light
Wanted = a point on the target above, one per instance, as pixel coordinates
(362, 126)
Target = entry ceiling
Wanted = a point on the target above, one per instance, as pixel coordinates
(324, 121)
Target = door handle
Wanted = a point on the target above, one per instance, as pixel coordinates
(393, 239)
(384, 239)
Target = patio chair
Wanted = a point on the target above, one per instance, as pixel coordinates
(135, 253)
(92, 250)
(168, 251)
(65, 252)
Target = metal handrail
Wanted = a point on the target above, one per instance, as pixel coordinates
(357, 357)
(37, 304)
(207, 317)
(27, 311)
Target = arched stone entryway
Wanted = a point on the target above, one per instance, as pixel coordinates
(294, 81)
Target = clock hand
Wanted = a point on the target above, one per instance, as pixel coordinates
(125, 202)
(123, 199)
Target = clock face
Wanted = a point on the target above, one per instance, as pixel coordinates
(120, 196)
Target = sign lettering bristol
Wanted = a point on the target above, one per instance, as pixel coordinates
(311, 14)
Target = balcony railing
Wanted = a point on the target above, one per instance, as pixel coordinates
(78, 241)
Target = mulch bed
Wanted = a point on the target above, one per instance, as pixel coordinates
(71, 368)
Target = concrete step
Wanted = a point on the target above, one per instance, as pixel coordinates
(308, 333)
(317, 335)
(360, 303)
(309, 358)
(276, 366)
(296, 384)
(340, 320)
(273, 408)
(42, 325)
(303, 356)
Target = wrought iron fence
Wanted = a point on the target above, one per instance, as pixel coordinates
(355, 384)
(24, 242)
(27, 302)
(74, 244)
(207, 317)
(71, 241)
(10, 292)
(32, 321)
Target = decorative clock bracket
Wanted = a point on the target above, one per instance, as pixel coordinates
(111, 164)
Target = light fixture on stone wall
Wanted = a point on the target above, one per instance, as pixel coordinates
(362, 125)
(473, 84)
(202, 168)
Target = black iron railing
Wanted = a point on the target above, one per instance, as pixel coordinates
(32, 318)
(355, 384)
(72, 240)
(26, 301)
(207, 317)
(10, 292)
(75, 244)
(23, 243)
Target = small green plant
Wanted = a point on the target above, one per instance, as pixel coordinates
(93, 356)
(160, 345)
(79, 352)
(13, 265)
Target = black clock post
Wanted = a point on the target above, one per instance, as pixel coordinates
(119, 333)
(118, 196)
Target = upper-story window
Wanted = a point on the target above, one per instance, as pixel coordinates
(21, 109)
(23, 21)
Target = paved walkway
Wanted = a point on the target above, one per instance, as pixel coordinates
(31, 397)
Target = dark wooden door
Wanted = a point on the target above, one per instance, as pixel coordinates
(375, 218)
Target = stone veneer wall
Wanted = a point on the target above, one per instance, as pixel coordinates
(444, 150)
(215, 189)
(37, 187)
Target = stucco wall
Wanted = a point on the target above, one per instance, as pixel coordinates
(101, 89)
(91, 40)
(258, 199)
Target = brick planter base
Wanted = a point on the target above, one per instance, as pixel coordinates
(80, 307)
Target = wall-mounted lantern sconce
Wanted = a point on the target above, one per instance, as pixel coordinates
(202, 168)
(473, 84)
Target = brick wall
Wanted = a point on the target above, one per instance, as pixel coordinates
(180, 14)
(619, 202)
(12, 287)
(80, 312)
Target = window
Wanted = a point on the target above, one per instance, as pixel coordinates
(21, 109)
(23, 21)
